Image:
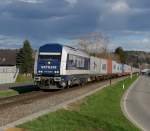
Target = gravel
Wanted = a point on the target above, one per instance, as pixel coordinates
(13, 112)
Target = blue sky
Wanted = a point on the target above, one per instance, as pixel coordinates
(125, 22)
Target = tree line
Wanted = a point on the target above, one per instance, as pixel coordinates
(25, 58)
(96, 44)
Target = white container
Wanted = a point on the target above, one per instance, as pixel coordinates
(103, 66)
(114, 67)
(119, 68)
(95, 65)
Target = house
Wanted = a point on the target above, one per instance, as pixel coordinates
(8, 69)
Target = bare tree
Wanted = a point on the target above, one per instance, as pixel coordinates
(94, 43)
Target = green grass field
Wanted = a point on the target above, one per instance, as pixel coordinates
(24, 79)
(98, 112)
(6, 93)
(21, 79)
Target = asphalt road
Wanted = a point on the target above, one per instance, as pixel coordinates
(137, 103)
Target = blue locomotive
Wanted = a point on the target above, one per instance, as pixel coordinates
(58, 66)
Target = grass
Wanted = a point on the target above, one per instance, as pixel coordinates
(6, 93)
(21, 79)
(98, 112)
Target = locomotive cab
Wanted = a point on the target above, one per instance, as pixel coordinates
(48, 61)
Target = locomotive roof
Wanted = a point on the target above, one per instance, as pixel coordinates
(55, 47)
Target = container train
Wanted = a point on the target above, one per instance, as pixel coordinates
(58, 66)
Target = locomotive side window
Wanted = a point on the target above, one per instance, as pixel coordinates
(77, 62)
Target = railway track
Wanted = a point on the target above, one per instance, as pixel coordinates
(36, 95)
(17, 107)
(22, 97)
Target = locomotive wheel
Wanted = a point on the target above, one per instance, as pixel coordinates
(69, 84)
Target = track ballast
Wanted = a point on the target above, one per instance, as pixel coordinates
(17, 107)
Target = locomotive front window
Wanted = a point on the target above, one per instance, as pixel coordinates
(50, 57)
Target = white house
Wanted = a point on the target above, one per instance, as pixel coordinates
(8, 69)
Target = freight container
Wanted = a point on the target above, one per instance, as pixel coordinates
(95, 65)
(135, 70)
(122, 68)
(130, 69)
(103, 66)
(114, 67)
(127, 69)
(118, 68)
(109, 66)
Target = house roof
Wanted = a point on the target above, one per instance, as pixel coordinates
(7, 57)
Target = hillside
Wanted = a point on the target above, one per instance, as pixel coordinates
(135, 58)
(138, 58)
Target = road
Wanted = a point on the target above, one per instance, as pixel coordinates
(137, 103)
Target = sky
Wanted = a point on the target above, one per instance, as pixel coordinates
(125, 22)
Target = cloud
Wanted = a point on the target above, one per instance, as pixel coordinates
(72, 2)
(27, 10)
(131, 40)
(142, 44)
(9, 42)
(31, 1)
(120, 6)
(51, 20)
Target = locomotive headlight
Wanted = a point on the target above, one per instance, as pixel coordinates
(56, 71)
(40, 71)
